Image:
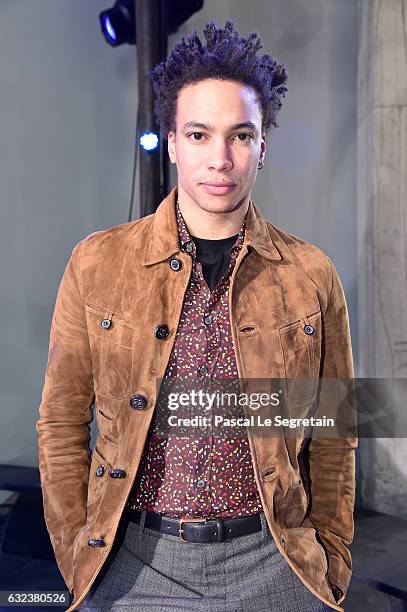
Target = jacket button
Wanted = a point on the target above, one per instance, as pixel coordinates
(309, 330)
(138, 401)
(97, 543)
(161, 332)
(116, 473)
(106, 323)
(100, 471)
(175, 264)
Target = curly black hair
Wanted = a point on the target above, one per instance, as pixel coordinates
(227, 56)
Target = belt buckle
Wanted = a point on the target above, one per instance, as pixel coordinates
(188, 520)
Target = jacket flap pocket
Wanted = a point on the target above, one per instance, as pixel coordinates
(302, 331)
(300, 343)
(109, 325)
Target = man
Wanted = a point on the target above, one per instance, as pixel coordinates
(204, 288)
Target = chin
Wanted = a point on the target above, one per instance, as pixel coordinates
(221, 201)
(217, 204)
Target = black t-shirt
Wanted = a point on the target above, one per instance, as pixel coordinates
(214, 256)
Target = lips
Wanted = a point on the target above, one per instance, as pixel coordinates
(218, 188)
(221, 184)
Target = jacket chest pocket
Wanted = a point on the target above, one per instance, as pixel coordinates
(301, 348)
(111, 343)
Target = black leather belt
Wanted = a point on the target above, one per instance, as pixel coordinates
(198, 530)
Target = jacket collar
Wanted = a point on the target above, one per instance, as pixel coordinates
(164, 237)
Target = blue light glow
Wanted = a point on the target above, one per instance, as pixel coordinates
(109, 28)
(149, 141)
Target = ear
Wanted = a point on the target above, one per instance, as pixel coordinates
(171, 147)
(263, 146)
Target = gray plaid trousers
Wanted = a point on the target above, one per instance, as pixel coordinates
(147, 571)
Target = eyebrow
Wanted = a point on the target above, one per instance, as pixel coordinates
(210, 128)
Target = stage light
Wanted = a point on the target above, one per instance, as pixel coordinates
(110, 31)
(117, 23)
(149, 141)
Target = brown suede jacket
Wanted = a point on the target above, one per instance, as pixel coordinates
(125, 277)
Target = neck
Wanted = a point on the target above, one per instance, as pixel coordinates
(211, 225)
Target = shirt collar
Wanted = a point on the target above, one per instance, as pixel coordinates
(187, 243)
(163, 239)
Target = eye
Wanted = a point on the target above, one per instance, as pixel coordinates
(244, 134)
(195, 133)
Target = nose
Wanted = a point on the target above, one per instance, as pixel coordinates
(220, 157)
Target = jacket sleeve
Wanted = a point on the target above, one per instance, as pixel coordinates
(332, 460)
(65, 414)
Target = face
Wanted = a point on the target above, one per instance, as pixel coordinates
(217, 140)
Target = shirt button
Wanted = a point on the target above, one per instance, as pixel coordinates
(175, 264)
(188, 247)
(105, 323)
(161, 332)
(208, 320)
(309, 330)
(117, 473)
(203, 369)
(200, 484)
(195, 274)
(138, 401)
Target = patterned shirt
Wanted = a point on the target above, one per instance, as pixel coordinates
(206, 475)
